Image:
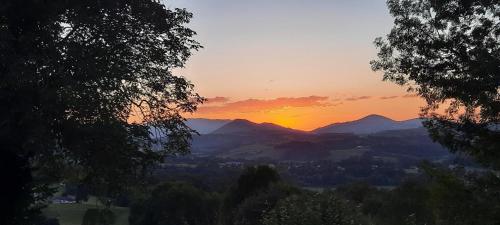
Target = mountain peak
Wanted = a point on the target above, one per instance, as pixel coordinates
(375, 117)
(205, 126)
(237, 126)
(242, 121)
(246, 126)
(369, 124)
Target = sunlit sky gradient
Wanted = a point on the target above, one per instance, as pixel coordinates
(298, 63)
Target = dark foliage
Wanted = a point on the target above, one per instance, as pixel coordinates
(252, 210)
(441, 196)
(436, 196)
(51, 221)
(448, 52)
(80, 191)
(253, 180)
(98, 216)
(81, 85)
(313, 208)
(177, 203)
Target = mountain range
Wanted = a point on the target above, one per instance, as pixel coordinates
(373, 135)
(366, 125)
(369, 125)
(245, 126)
(206, 126)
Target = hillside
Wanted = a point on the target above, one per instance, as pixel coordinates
(205, 126)
(240, 126)
(369, 124)
(243, 139)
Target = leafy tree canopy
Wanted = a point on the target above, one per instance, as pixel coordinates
(313, 208)
(254, 207)
(448, 52)
(254, 181)
(83, 84)
(176, 203)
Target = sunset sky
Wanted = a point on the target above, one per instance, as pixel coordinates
(297, 63)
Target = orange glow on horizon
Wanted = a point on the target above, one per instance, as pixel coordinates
(266, 70)
(314, 114)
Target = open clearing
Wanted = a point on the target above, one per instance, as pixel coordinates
(72, 214)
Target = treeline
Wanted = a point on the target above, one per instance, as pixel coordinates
(438, 197)
(375, 170)
(260, 197)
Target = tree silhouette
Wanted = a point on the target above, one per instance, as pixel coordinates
(448, 52)
(253, 180)
(72, 75)
(313, 208)
(176, 203)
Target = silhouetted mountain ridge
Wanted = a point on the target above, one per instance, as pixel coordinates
(369, 124)
(240, 126)
(206, 126)
(373, 135)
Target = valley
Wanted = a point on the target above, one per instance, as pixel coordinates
(385, 156)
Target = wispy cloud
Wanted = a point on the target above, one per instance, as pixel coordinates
(410, 96)
(217, 99)
(389, 97)
(358, 98)
(255, 105)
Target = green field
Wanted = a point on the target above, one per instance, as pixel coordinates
(72, 214)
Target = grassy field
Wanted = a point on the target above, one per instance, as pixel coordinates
(72, 214)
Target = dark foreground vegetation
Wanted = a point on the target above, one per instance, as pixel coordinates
(89, 100)
(259, 195)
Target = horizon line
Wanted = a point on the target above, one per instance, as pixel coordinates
(188, 118)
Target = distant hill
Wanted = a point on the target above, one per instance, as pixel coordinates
(239, 138)
(373, 135)
(206, 126)
(240, 126)
(412, 132)
(414, 142)
(369, 125)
